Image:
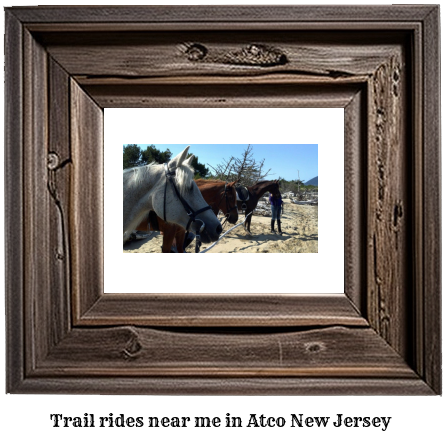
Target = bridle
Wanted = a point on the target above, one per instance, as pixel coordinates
(191, 213)
(228, 207)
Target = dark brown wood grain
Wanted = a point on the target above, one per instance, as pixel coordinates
(38, 308)
(355, 189)
(14, 263)
(430, 318)
(64, 65)
(167, 385)
(355, 15)
(388, 202)
(59, 169)
(86, 199)
(239, 310)
(161, 54)
(129, 351)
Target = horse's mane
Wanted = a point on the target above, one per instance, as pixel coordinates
(184, 175)
(265, 182)
(265, 185)
(135, 175)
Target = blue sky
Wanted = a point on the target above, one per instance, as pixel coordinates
(283, 159)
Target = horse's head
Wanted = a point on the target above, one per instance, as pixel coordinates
(230, 203)
(274, 188)
(174, 202)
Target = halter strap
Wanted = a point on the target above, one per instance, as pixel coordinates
(191, 213)
(228, 207)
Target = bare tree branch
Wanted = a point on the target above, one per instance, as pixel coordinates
(245, 169)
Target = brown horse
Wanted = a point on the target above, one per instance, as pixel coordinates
(218, 194)
(255, 193)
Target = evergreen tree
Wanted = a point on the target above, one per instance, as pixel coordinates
(201, 171)
(152, 154)
(131, 156)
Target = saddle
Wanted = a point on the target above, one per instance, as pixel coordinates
(242, 193)
(242, 196)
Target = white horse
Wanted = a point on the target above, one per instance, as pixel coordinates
(144, 190)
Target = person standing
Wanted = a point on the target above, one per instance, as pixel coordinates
(276, 209)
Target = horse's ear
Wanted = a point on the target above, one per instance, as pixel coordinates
(188, 160)
(180, 158)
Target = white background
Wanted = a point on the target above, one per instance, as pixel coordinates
(28, 415)
(310, 273)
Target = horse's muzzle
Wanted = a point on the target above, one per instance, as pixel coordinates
(233, 218)
(206, 236)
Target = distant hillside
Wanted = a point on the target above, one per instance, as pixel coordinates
(312, 182)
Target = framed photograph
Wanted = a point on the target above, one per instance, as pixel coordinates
(65, 65)
(258, 257)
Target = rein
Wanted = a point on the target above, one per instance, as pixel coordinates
(228, 207)
(225, 233)
(191, 213)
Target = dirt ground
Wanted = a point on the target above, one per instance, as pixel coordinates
(299, 227)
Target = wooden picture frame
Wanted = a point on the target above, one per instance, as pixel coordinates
(379, 63)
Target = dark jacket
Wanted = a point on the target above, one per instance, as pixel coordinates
(276, 202)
